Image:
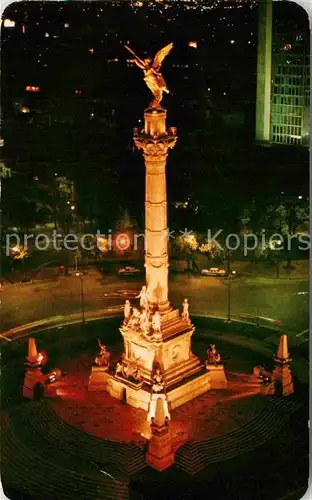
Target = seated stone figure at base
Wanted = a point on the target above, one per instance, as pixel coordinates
(158, 382)
(134, 321)
(214, 357)
(103, 358)
(127, 312)
(119, 369)
(145, 323)
(130, 371)
(137, 377)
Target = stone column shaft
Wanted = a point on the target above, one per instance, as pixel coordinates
(155, 141)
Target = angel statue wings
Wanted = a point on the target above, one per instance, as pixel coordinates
(152, 76)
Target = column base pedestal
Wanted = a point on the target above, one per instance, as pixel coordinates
(217, 376)
(33, 384)
(139, 395)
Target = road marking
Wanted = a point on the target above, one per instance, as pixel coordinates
(302, 333)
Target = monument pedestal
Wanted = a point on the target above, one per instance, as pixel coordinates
(184, 376)
(33, 383)
(267, 388)
(160, 453)
(97, 379)
(217, 376)
(281, 375)
(282, 379)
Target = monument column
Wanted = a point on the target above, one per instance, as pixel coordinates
(155, 140)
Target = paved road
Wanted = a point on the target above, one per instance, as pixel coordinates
(284, 301)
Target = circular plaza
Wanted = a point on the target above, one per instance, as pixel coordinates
(77, 443)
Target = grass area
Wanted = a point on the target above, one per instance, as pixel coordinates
(235, 357)
(244, 329)
(207, 329)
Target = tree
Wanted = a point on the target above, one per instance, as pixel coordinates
(213, 251)
(288, 218)
(270, 252)
(187, 245)
(19, 253)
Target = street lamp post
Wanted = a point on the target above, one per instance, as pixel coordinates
(229, 287)
(278, 247)
(4, 172)
(277, 269)
(82, 296)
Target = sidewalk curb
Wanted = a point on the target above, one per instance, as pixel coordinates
(60, 321)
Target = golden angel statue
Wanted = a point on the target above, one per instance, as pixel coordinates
(152, 77)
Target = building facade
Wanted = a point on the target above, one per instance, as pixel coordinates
(283, 80)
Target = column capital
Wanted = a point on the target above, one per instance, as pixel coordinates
(155, 148)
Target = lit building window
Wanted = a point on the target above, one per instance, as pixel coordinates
(287, 47)
(24, 109)
(32, 88)
(8, 23)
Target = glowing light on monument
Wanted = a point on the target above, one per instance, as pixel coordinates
(40, 358)
(123, 241)
(102, 244)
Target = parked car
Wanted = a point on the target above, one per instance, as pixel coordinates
(128, 271)
(213, 271)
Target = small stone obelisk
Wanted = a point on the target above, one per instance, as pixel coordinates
(281, 375)
(32, 356)
(160, 453)
(34, 377)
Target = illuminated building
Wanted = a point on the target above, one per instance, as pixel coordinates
(283, 83)
(290, 87)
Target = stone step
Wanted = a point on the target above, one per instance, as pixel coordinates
(181, 370)
(118, 458)
(29, 472)
(171, 328)
(193, 457)
(182, 379)
(286, 405)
